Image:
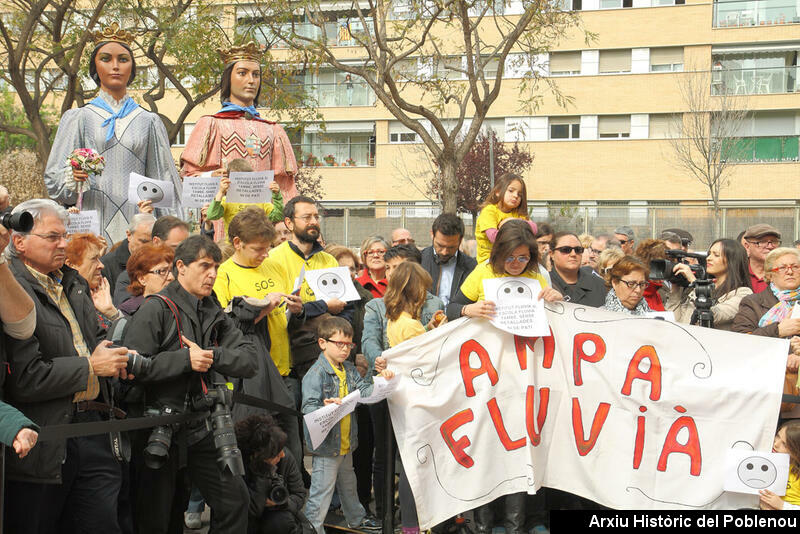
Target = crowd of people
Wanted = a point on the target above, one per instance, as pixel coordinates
(153, 324)
(153, 319)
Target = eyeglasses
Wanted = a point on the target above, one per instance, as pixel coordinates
(568, 250)
(53, 238)
(375, 253)
(766, 244)
(343, 345)
(160, 272)
(307, 218)
(518, 259)
(786, 268)
(633, 285)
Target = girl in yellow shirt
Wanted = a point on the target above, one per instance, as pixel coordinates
(404, 299)
(787, 441)
(508, 199)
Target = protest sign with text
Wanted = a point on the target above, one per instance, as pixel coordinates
(630, 412)
(199, 190)
(250, 187)
(85, 222)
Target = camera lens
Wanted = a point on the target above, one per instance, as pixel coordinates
(19, 222)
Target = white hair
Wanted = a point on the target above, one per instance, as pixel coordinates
(140, 219)
(38, 208)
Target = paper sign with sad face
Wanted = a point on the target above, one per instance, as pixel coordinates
(161, 193)
(748, 471)
(332, 283)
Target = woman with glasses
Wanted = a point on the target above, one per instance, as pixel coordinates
(515, 253)
(83, 253)
(628, 280)
(578, 284)
(373, 278)
(769, 313)
(727, 265)
(150, 270)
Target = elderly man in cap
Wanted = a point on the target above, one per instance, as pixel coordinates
(760, 240)
(626, 239)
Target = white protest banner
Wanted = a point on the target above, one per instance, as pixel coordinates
(749, 471)
(160, 193)
(85, 222)
(199, 190)
(250, 187)
(517, 305)
(320, 422)
(631, 412)
(382, 389)
(332, 283)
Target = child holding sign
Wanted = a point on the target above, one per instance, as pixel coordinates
(329, 380)
(220, 209)
(787, 441)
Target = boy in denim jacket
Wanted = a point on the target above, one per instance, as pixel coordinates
(330, 379)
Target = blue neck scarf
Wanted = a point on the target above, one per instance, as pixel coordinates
(127, 107)
(228, 106)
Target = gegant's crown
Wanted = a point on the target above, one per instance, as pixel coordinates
(247, 52)
(113, 33)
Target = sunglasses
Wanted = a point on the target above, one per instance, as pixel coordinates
(568, 250)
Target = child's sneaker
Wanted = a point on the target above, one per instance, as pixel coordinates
(369, 523)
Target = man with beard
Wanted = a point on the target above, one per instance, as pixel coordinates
(302, 252)
(447, 267)
(237, 130)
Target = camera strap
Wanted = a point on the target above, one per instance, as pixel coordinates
(174, 309)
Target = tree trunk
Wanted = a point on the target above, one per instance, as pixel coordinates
(449, 185)
(42, 137)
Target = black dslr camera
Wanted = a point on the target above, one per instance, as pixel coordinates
(276, 490)
(19, 222)
(220, 399)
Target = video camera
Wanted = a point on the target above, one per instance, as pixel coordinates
(663, 269)
(703, 286)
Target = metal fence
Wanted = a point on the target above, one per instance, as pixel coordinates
(350, 225)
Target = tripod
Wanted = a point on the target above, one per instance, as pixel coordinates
(702, 304)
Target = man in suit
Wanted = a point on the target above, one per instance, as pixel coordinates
(446, 265)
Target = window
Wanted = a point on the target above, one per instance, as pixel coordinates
(665, 125)
(184, 133)
(615, 4)
(565, 63)
(669, 59)
(615, 61)
(403, 137)
(450, 68)
(668, 2)
(565, 127)
(614, 126)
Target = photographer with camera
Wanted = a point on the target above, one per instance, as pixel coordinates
(191, 347)
(726, 265)
(277, 493)
(57, 376)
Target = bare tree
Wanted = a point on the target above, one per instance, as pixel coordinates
(436, 65)
(703, 141)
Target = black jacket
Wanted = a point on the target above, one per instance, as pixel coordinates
(464, 265)
(45, 370)
(259, 485)
(590, 290)
(170, 380)
(115, 262)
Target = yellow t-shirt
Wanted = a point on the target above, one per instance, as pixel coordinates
(792, 488)
(404, 328)
(341, 374)
(270, 277)
(489, 217)
(293, 262)
(473, 285)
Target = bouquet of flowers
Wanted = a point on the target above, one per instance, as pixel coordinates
(88, 161)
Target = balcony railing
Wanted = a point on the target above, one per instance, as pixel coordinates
(337, 155)
(763, 149)
(746, 13)
(340, 94)
(758, 81)
(336, 33)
